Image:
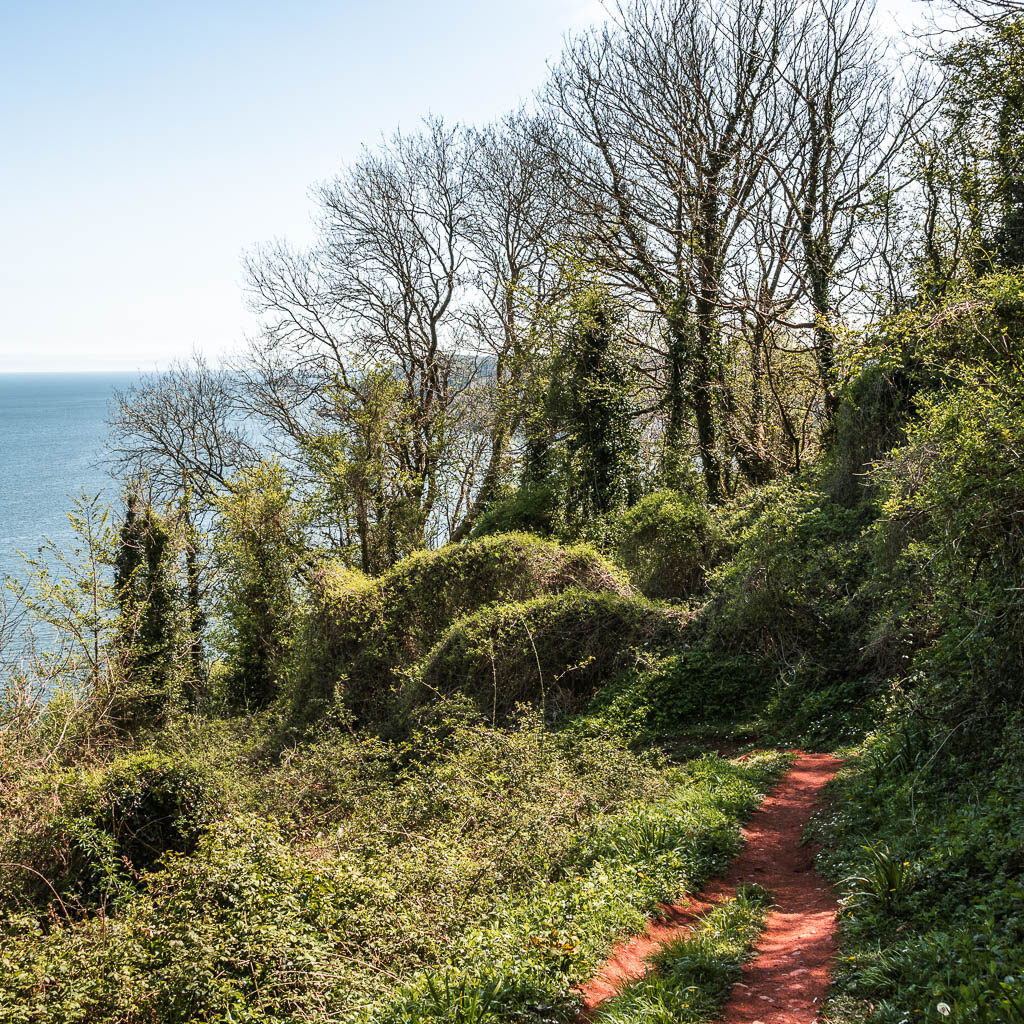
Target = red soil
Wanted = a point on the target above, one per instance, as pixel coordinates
(786, 981)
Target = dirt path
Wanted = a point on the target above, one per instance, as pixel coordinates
(786, 981)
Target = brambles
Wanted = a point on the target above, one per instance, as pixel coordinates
(109, 824)
(419, 862)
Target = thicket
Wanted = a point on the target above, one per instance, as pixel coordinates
(551, 651)
(897, 608)
(334, 876)
(363, 634)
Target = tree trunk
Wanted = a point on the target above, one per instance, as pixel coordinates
(488, 488)
(194, 617)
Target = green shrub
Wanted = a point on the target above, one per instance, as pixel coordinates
(666, 698)
(874, 410)
(667, 542)
(920, 351)
(526, 509)
(553, 651)
(789, 593)
(112, 823)
(953, 536)
(361, 631)
(210, 939)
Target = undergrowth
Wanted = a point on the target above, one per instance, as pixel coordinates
(346, 873)
(927, 849)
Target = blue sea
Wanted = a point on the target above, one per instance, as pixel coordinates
(53, 437)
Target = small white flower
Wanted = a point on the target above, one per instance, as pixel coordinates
(945, 1009)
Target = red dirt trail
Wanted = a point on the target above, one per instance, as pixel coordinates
(786, 981)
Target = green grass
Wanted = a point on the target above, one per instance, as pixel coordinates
(691, 977)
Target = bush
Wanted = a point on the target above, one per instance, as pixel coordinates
(667, 698)
(920, 351)
(789, 593)
(114, 822)
(527, 509)
(874, 410)
(953, 534)
(362, 632)
(553, 651)
(667, 542)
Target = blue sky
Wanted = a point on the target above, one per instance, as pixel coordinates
(147, 145)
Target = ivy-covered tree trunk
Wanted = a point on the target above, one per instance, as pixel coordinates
(690, 400)
(677, 408)
(592, 405)
(703, 400)
(195, 617)
(147, 636)
(259, 547)
(1010, 151)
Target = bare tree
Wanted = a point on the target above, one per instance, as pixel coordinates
(849, 120)
(768, 421)
(671, 113)
(515, 228)
(182, 430)
(380, 292)
(986, 13)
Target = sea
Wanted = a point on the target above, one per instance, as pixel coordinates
(53, 439)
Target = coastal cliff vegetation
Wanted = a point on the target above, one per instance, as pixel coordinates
(588, 462)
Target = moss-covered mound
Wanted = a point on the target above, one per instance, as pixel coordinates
(361, 632)
(554, 651)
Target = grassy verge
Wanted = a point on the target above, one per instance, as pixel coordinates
(927, 849)
(692, 976)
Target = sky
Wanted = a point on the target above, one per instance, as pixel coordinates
(146, 146)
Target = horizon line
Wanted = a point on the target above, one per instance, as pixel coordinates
(76, 369)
